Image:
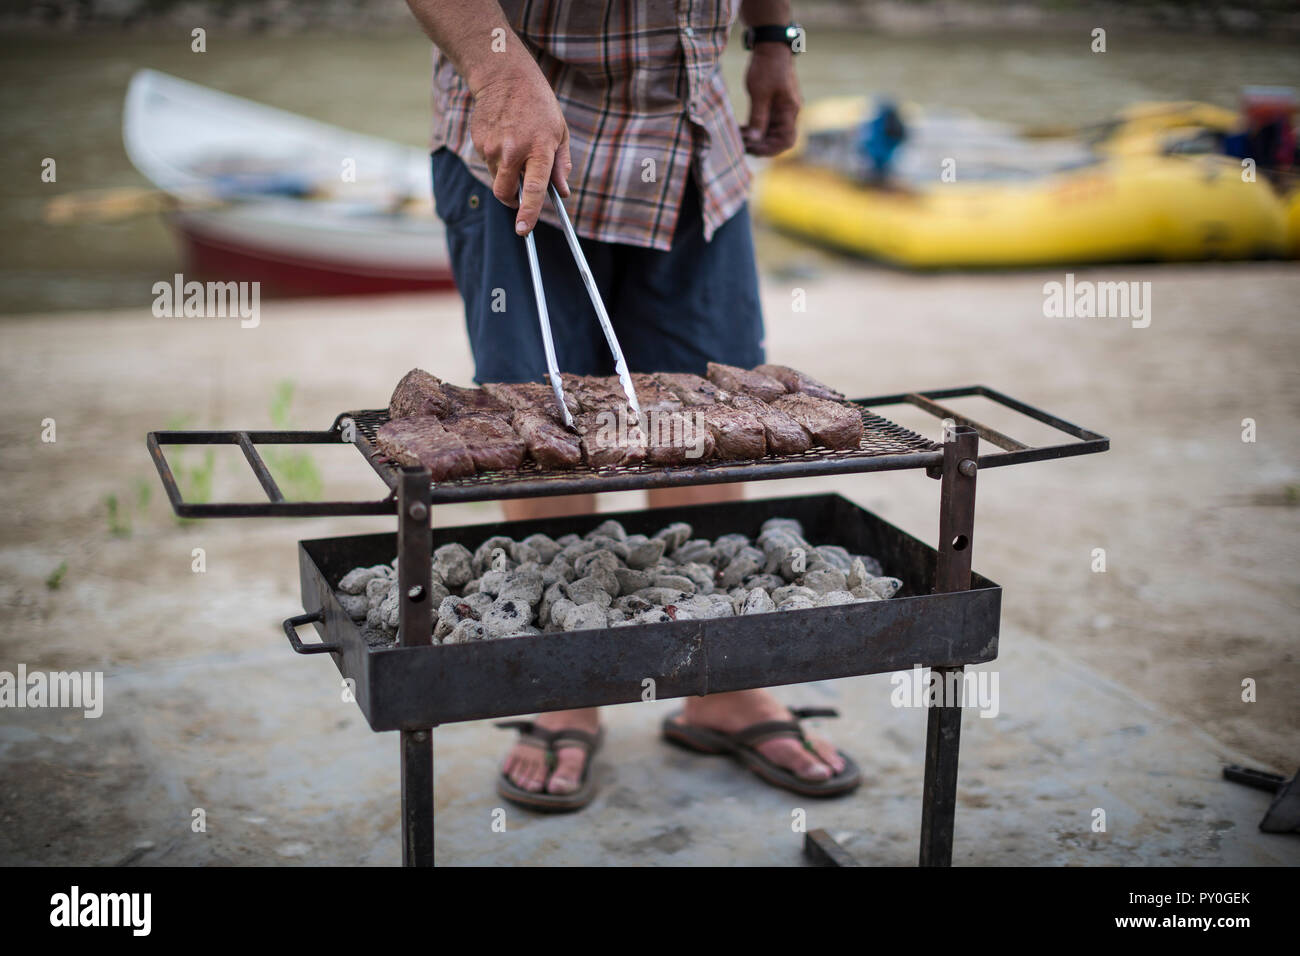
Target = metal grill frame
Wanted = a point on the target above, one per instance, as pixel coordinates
(941, 629)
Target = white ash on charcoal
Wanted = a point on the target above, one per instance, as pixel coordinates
(608, 578)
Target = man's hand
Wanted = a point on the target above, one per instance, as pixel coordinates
(518, 128)
(773, 100)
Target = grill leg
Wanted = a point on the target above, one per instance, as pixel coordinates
(415, 629)
(943, 730)
(417, 797)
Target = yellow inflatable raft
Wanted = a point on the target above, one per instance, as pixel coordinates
(1132, 203)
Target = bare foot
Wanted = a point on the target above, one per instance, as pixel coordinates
(527, 767)
(730, 713)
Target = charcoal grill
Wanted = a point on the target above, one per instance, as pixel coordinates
(945, 618)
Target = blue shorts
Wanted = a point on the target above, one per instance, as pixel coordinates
(673, 311)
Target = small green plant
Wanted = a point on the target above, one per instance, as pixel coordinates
(295, 471)
(55, 580)
(119, 520)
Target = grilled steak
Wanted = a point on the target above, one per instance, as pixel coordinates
(419, 393)
(691, 389)
(424, 441)
(492, 443)
(653, 395)
(735, 379)
(830, 423)
(534, 396)
(678, 437)
(785, 436)
(736, 434)
(595, 393)
(549, 443)
(473, 400)
(610, 439)
(796, 381)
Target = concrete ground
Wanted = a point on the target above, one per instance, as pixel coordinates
(1120, 691)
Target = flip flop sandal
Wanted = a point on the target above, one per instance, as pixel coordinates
(550, 741)
(743, 745)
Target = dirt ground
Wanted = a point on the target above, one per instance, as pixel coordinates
(1199, 528)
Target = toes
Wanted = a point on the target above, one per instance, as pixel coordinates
(827, 752)
(567, 775)
(793, 756)
(525, 768)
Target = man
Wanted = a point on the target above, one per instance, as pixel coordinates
(622, 106)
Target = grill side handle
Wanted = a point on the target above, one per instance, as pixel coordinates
(291, 626)
(275, 506)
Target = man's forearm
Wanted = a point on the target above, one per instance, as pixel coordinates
(757, 13)
(474, 35)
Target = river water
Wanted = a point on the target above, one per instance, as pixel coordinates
(62, 99)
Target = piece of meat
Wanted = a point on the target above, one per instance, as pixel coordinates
(785, 436)
(830, 423)
(653, 395)
(736, 434)
(691, 389)
(678, 437)
(595, 393)
(491, 441)
(530, 396)
(735, 379)
(424, 441)
(473, 400)
(419, 393)
(609, 439)
(796, 381)
(549, 443)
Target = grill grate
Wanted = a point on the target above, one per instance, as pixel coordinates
(881, 438)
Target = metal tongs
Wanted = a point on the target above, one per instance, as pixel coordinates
(552, 369)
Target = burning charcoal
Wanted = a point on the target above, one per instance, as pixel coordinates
(746, 563)
(656, 615)
(528, 630)
(617, 548)
(796, 602)
(790, 525)
(632, 604)
(354, 606)
(375, 617)
(453, 563)
(677, 582)
(559, 611)
(837, 557)
(758, 602)
(390, 610)
(800, 561)
(768, 582)
(825, 581)
(702, 574)
(555, 592)
(596, 560)
(630, 580)
(525, 584)
(558, 570)
(729, 545)
(741, 380)
(471, 587)
(565, 540)
(585, 617)
(865, 593)
(831, 598)
(355, 581)
(490, 583)
(437, 592)
(858, 575)
(376, 588)
(793, 590)
(675, 535)
(484, 554)
(590, 590)
(544, 547)
(708, 606)
(377, 637)
(697, 549)
(506, 616)
(608, 529)
(885, 587)
(576, 549)
(478, 603)
(466, 631)
(796, 381)
(614, 616)
(646, 554)
(661, 596)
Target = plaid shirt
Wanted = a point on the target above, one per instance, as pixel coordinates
(642, 92)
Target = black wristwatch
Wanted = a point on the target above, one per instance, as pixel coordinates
(791, 35)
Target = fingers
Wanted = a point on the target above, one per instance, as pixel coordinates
(756, 129)
(781, 129)
(563, 166)
(505, 167)
(537, 172)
